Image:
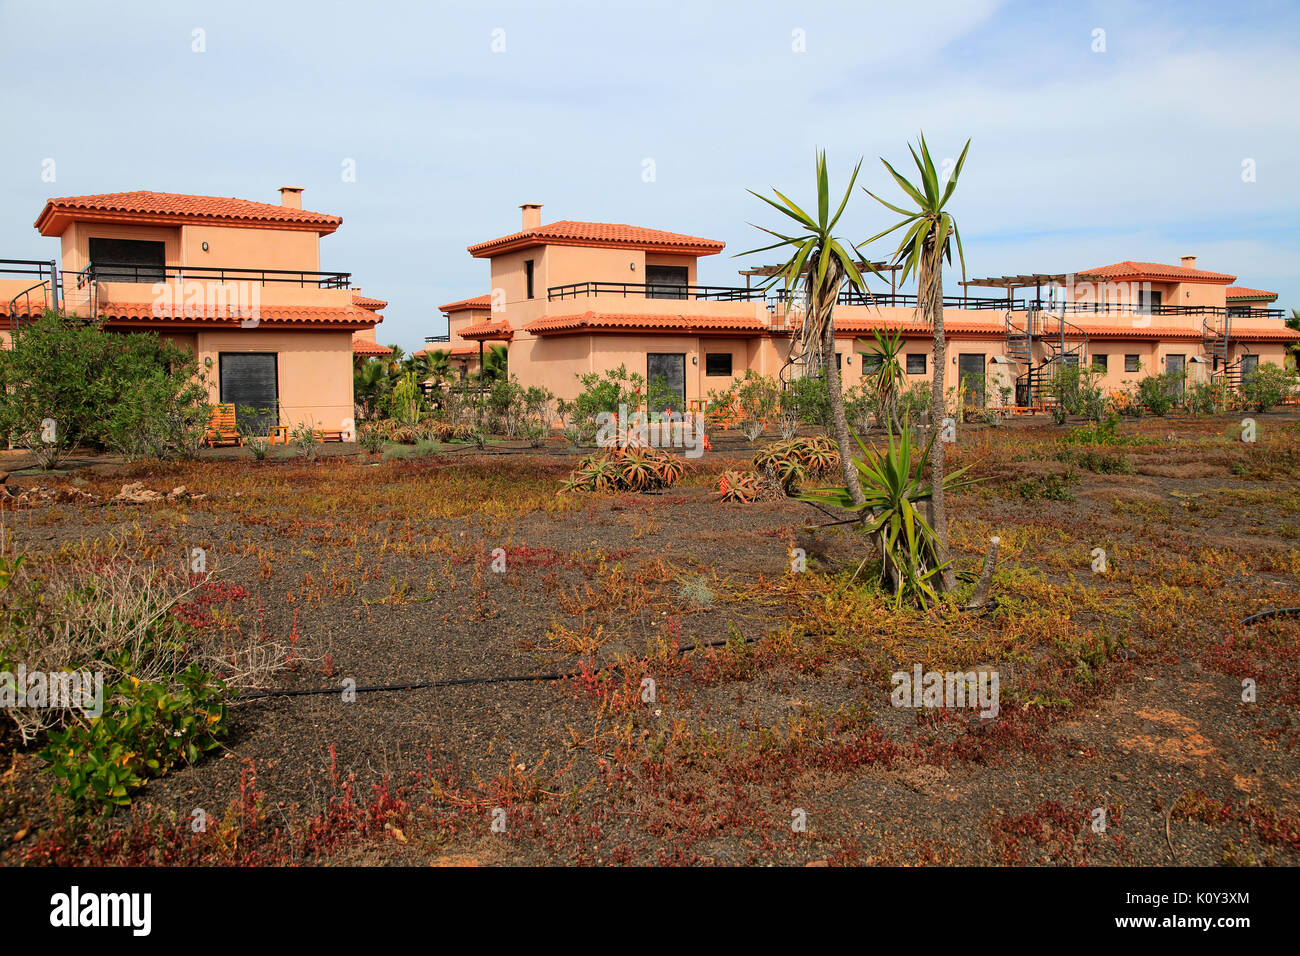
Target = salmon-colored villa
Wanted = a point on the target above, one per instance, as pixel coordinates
(574, 297)
(235, 281)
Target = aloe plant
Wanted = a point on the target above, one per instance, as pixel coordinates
(893, 486)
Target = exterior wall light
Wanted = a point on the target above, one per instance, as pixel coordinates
(205, 247)
(207, 361)
(695, 360)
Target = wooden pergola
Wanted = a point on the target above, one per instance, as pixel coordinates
(1035, 281)
(768, 271)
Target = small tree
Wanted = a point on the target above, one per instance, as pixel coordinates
(925, 246)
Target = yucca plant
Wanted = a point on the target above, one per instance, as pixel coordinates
(894, 486)
(930, 234)
(819, 262)
(887, 380)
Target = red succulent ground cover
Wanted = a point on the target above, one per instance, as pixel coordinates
(767, 733)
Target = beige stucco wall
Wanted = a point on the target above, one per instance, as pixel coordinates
(314, 370)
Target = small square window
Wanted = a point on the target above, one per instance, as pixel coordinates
(871, 361)
(717, 363)
(916, 363)
(1132, 363)
(1099, 361)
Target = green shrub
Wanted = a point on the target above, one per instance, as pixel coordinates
(303, 439)
(1157, 393)
(1051, 487)
(1268, 386)
(810, 398)
(68, 383)
(147, 729)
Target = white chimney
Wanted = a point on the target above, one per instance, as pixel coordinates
(532, 214)
(1189, 262)
(291, 196)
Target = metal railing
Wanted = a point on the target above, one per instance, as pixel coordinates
(655, 290)
(112, 272)
(435, 339)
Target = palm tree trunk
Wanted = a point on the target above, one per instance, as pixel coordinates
(932, 289)
(838, 418)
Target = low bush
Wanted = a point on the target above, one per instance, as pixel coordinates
(1268, 386)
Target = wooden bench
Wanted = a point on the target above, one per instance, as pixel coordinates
(329, 434)
(222, 429)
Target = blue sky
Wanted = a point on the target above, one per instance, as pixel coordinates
(1078, 157)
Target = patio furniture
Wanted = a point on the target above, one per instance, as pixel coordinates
(222, 429)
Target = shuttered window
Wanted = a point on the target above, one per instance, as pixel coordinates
(250, 382)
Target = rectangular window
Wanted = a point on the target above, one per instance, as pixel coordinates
(666, 282)
(528, 276)
(717, 363)
(1148, 301)
(1249, 365)
(1100, 361)
(250, 382)
(916, 363)
(668, 369)
(128, 260)
(1132, 363)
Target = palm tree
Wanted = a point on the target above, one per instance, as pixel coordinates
(926, 244)
(495, 362)
(438, 364)
(369, 383)
(819, 260)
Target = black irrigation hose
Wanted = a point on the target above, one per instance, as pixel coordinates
(1275, 612)
(454, 681)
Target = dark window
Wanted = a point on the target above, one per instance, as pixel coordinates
(1070, 360)
(1132, 363)
(528, 276)
(1099, 361)
(871, 361)
(128, 260)
(670, 368)
(249, 382)
(1148, 301)
(839, 361)
(1249, 365)
(970, 378)
(666, 282)
(717, 363)
(916, 363)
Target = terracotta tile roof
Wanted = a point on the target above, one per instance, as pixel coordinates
(1241, 292)
(460, 351)
(642, 322)
(488, 330)
(1276, 334)
(478, 302)
(374, 305)
(366, 347)
(350, 317)
(1154, 271)
(911, 329)
(600, 234)
(144, 206)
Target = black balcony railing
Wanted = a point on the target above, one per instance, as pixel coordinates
(113, 272)
(435, 339)
(655, 290)
(1124, 308)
